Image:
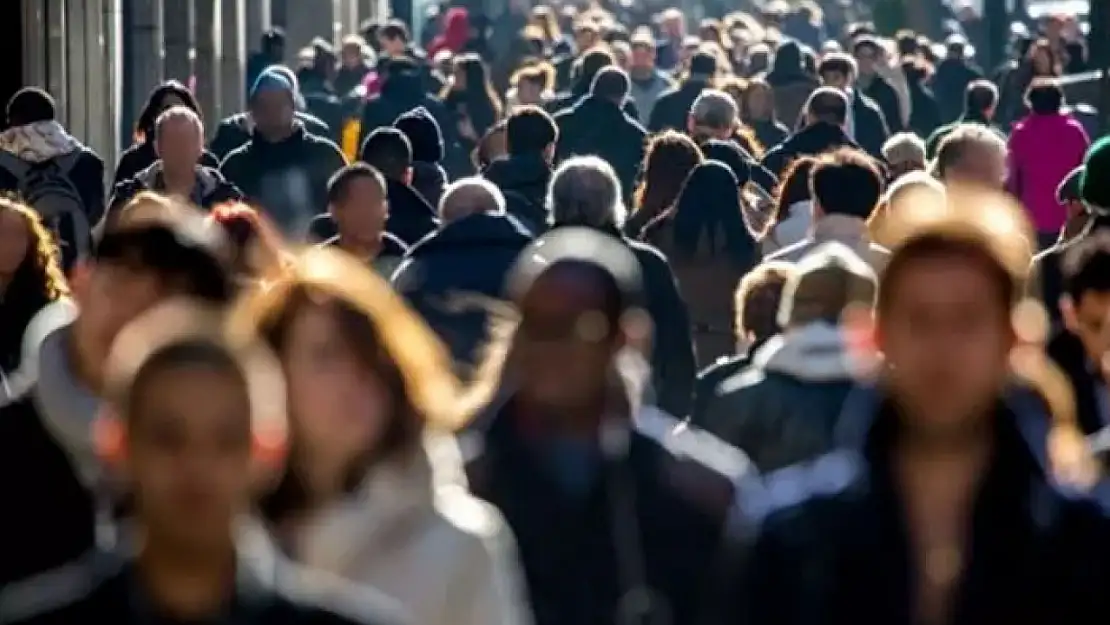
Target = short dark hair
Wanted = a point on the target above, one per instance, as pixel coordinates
(980, 96)
(273, 39)
(611, 83)
(906, 40)
(1045, 96)
(846, 182)
(828, 105)
(866, 42)
(388, 150)
(530, 130)
(30, 105)
(1086, 266)
(590, 63)
(341, 180)
(394, 29)
(837, 62)
(206, 352)
(703, 64)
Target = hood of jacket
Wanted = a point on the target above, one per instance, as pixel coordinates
(818, 138)
(403, 88)
(405, 199)
(208, 179)
(429, 180)
(526, 173)
(38, 142)
(816, 352)
(474, 232)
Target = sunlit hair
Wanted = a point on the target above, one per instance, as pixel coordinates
(483, 154)
(955, 146)
(540, 73)
(793, 188)
(757, 299)
(990, 230)
(585, 191)
(478, 83)
(252, 236)
(668, 160)
(545, 19)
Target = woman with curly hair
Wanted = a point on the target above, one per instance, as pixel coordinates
(668, 160)
(30, 276)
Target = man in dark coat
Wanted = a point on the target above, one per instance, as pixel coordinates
(524, 175)
(426, 138)
(403, 90)
(951, 78)
(283, 169)
(411, 217)
(585, 70)
(825, 115)
(673, 107)
(980, 103)
(865, 125)
(455, 276)
(868, 53)
(622, 143)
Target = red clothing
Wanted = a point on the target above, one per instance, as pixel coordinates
(456, 32)
(1044, 149)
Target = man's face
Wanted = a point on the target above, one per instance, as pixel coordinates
(362, 214)
(352, 56)
(528, 92)
(272, 112)
(674, 28)
(190, 453)
(585, 39)
(110, 295)
(836, 80)
(866, 59)
(1087, 319)
(180, 144)
(391, 46)
(945, 328)
(643, 57)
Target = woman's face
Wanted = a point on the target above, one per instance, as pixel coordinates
(339, 408)
(1042, 62)
(758, 104)
(14, 241)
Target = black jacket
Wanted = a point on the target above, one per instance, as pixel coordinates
(234, 132)
(212, 188)
(87, 177)
(399, 95)
(832, 545)
(886, 98)
(411, 217)
(622, 143)
(871, 129)
(808, 141)
(523, 181)
(672, 109)
(1066, 350)
(142, 155)
(287, 180)
(1045, 269)
(451, 276)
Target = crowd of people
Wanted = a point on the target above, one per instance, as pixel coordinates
(779, 320)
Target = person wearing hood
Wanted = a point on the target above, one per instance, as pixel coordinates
(455, 277)
(584, 71)
(783, 407)
(826, 114)
(456, 33)
(411, 217)
(424, 135)
(622, 143)
(283, 169)
(358, 211)
(50, 470)
(35, 139)
(238, 129)
(790, 83)
(142, 154)
(865, 123)
(523, 176)
(649, 83)
(673, 107)
(178, 140)
(403, 90)
(847, 187)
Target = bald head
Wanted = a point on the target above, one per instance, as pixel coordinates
(470, 196)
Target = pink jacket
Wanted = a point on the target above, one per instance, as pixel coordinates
(1043, 150)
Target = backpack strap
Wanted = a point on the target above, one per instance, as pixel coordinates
(66, 162)
(15, 165)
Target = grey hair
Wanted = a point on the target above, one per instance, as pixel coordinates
(175, 112)
(470, 195)
(904, 147)
(714, 109)
(585, 191)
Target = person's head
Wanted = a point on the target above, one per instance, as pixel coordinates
(643, 53)
(587, 66)
(190, 424)
(668, 160)
(531, 130)
(868, 53)
(546, 21)
(827, 105)
(168, 94)
(703, 66)
(972, 154)
(470, 196)
(533, 82)
(179, 139)
(827, 283)
(586, 35)
(955, 47)
(585, 191)
(757, 301)
(365, 376)
(30, 105)
(905, 152)
(758, 102)
(946, 300)
(980, 100)
(1086, 301)
(713, 115)
(1045, 96)
(157, 248)
(846, 182)
(388, 150)
(793, 192)
(30, 270)
(1043, 59)
(611, 85)
(257, 246)
(837, 70)
(273, 103)
(493, 145)
(357, 202)
(673, 24)
(424, 135)
(911, 188)
(708, 217)
(470, 73)
(273, 45)
(393, 38)
(353, 51)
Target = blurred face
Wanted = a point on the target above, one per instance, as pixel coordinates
(111, 295)
(621, 55)
(180, 144)
(362, 214)
(674, 27)
(272, 112)
(561, 324)
(169, 100)
(14, 242)
(585, 39)
(352, 56)
(945, 328)
(391, 46)
(643, 57)
(496, 146)
(190, 453)
(339, 408)
(458, 78)
(1087, 319)
(982, 165)
(867, 58)
(836, 80)
(1042, 62)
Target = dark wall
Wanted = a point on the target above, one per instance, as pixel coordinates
(11, 50)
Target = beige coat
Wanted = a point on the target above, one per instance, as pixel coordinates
(414, 532)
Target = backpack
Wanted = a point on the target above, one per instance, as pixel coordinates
(47, 187)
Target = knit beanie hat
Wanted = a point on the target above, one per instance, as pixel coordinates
(1095, 186)
(271, 80)
(423, 133)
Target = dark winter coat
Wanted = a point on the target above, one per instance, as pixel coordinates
(212, 189)
(672, 109)
(142, 155)
(809, 141)
(523, 180)
(411, 217)
(871, 129)
(399, 95)
(234, 132)
(883, 94)
(622, 143)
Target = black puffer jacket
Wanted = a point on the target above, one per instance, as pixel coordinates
(236, 130)
(523, 180)
(622, 143)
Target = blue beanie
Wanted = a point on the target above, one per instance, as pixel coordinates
(271, 80)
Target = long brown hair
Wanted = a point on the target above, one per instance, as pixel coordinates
(668, 161)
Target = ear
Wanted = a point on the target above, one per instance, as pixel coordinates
(407, 177)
